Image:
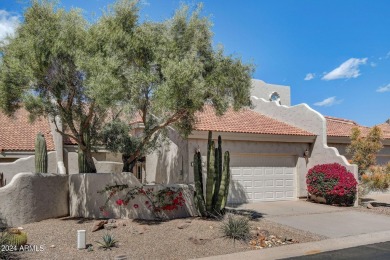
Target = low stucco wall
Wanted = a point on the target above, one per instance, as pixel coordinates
(85, 200)
(31, 197)
(26, 165)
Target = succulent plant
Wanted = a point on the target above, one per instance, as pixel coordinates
(108, 242)
(16, 237)
(217, 181)
(83, 165)
(40, 154)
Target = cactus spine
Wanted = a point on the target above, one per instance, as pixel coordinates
(199, 198)
(218, 178)
(40, 154)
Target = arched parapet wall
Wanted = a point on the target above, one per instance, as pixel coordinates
(306, 118)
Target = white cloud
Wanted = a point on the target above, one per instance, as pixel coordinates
(373, 64)
(8, 24)
(310, 76)
(349, 69)
(327, 102)
(384, 89)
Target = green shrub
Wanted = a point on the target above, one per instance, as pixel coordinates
(376, 178)
(236, 227)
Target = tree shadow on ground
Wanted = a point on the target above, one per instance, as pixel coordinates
(150, 222)
(251, 214)
(78, 220)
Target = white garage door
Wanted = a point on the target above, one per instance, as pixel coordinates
(262, 178)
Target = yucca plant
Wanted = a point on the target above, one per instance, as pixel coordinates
(236, 227)
(108, 242)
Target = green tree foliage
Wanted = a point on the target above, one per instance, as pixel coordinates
(173, 73)
(95, 74)
(54, 67)
(363, 150)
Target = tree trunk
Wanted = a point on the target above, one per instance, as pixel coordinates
(126, 163)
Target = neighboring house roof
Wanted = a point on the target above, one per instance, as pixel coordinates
(339, 127)
(244, 121)
(18, 134)
(385, 127)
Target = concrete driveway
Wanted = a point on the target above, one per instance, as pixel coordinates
(329, 221)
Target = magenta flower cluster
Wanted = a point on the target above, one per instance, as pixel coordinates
(332, 182)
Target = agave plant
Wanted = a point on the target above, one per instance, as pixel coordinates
(108, 242)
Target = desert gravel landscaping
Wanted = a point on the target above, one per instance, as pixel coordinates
(174, 239)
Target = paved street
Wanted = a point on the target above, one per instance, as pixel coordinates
(377, 251)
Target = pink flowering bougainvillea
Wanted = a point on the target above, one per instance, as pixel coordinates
(167, 199)
(332, 182)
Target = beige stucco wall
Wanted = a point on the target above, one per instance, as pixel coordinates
(260, 89)
(85, 201)
(308, 119)
(104, 161)
(167, 164)
(26, 164)
(31, 197)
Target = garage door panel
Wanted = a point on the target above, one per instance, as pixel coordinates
(262, 183)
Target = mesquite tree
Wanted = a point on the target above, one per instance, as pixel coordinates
(54, 67)
(175, 71)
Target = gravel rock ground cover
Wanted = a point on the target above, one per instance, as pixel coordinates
(175, 239)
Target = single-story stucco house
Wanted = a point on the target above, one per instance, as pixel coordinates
(272, 146)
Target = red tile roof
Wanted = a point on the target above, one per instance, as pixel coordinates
(385, 127)
(340, 127)
(244, 121)
(18, 134)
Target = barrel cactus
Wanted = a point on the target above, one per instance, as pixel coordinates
(40, 154)
(217, 180)
(16, 237)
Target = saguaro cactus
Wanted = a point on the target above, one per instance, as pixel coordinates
(40, 154)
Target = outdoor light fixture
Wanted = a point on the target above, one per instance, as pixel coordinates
(81, 237)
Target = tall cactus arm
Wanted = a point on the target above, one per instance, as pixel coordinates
(210, 184)
(40, 154)
(224, 190)
(199, 198)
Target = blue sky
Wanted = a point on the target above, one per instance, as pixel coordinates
(334, 54)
